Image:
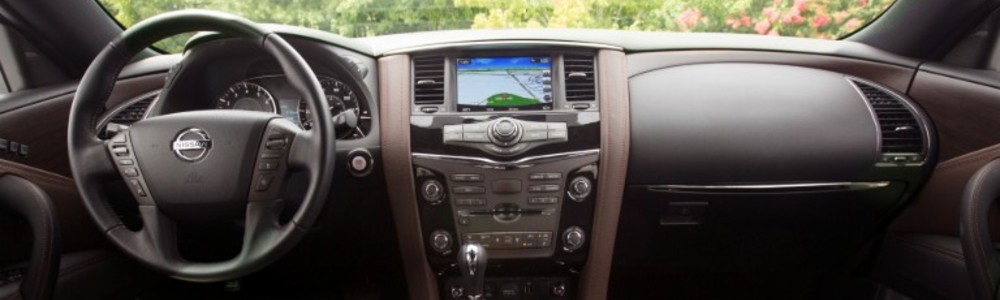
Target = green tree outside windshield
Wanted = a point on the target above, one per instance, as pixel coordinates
(824, 19)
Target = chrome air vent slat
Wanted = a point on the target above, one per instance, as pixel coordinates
(428, 80)
(579, 76)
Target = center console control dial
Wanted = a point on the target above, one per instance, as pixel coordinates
(505, 132)
(505, 136)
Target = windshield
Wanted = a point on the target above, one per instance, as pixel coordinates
(823, 19)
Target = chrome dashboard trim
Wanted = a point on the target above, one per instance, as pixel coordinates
(503, 43)
(769, 188)
(487, 163)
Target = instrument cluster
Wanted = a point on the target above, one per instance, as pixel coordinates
(273, 94)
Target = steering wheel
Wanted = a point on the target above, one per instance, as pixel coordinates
(202, 165)
(982, 191)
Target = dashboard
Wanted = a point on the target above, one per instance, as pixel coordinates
(560, 157)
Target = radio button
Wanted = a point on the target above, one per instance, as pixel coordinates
(558, 132)
(470, 202)
(467, 177)
(543, 188)
(534, 136)
(535, 126)
(479, 137)
(476, 127)
(469, 190)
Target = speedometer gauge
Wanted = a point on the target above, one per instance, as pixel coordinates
(247, 96)
(339, 98)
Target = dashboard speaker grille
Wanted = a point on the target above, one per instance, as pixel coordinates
(579, 75)
(901, 131)
(428, 80)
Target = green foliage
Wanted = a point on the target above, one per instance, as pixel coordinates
(825, 19)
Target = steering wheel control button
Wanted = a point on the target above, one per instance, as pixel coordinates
(263, 182)
(579, 189)
(467, 177)
(441, 242)
(126, 162)
(267, 165)
(276, 143)
(136, 187)
(120, 150)
(469, 190)
(432, 191)
(130, 172)
(573, 239)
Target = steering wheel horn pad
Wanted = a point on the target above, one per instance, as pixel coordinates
(192, 167)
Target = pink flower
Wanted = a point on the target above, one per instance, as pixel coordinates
(773, 32)
(853, 24)
(794, 16)
(778, 2)
(745, 21)
(762, 26)
(864, 2)
(840, 16)
(801, 4)
(690, 17)
(821, 20)
(770, 13)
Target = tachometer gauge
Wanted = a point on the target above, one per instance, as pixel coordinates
(247, 96)
(339, 98)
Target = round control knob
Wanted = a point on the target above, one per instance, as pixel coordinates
(441, 242)
(359, 162)
(573, 239)
(559, 289)
(579, 189)
(505, 132)
(432, 191)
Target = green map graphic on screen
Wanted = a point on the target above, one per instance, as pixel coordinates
(504, 81)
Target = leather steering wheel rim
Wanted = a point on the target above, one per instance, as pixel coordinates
(982, 191)
(265, 239)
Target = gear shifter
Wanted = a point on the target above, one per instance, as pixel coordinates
(472, 265)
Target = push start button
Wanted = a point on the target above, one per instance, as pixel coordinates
(360, 162)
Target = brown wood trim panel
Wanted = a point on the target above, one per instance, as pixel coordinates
(965, 113)
(42, 126)
(614, 101)
(893, 76)
(936, 210)
(394, 107)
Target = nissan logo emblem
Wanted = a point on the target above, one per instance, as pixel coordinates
(192, 144)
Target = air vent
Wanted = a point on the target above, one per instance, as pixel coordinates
(428, 80)
(127, 114)
(902, 136)
(134, 112)
(579, 75)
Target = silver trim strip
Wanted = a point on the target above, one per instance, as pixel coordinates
(769, 188)
(505, 43)
(520, 163)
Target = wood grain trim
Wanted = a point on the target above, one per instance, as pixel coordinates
(893, 76)
(964, 113)
(614, 101)
(394, 107)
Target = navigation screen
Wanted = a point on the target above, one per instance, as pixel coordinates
(504, 83)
